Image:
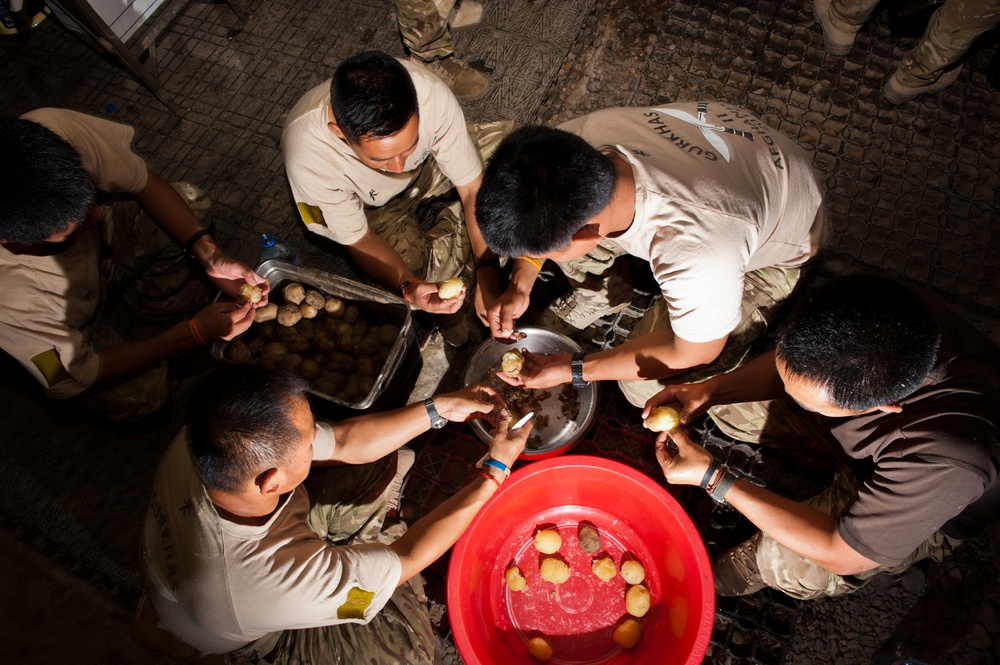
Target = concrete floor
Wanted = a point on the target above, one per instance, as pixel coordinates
(912, 193)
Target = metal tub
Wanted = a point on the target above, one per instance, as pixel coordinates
(390, 307)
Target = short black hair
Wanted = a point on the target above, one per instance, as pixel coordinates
(866, 340)
(541, 186)
(372, 96)
(240, 424)
(43, 186)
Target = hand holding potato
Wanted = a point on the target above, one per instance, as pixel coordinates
(424, 295)
(223, 321)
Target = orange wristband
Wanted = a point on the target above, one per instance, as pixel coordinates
(534, 262)
(484, 474)
(193, 327)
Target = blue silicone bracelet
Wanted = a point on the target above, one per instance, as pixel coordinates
(497, 465)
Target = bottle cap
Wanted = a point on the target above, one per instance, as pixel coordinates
(266, 240)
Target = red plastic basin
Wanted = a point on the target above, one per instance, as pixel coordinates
(636, 519)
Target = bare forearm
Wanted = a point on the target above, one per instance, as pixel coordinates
(124, 361)
(654, 356)
(756, 381)
(802, 529)
(380, 261)
(167, 209)
(370, 437)
(431, 536)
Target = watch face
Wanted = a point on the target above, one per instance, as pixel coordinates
(439, 423)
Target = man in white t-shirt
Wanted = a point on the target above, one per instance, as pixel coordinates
(366, 151)
(67, 241)
(724, 209)
(266, 538)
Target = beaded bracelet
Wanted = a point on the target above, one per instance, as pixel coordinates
(484, 474)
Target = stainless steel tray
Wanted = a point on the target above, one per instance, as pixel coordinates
(279, 272)
(560, 434)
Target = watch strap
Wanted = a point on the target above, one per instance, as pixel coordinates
(719, 492)
(576, 370)
(437, 422)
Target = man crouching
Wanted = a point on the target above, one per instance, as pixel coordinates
(264, 537)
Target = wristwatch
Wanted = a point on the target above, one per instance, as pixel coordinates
(576, 370)
(437, 422)
(719, 492)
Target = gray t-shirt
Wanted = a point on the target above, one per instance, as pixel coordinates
(220, 586)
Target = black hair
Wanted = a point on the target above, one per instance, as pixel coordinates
(240, 424)
(372, 96)
(541, 186)
(43, 185)
(866, 341)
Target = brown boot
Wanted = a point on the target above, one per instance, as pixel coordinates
(735, 570)
(467, 83)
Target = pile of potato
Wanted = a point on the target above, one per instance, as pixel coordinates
(324, 339)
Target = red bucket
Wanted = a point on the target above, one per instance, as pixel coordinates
(635, 517)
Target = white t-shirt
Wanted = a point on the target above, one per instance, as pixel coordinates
(718, 194)
(332, 187)
(220, 586)
(45, 300)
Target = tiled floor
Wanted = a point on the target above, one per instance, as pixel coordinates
(912, 192)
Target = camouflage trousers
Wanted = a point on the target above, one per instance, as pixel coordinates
(143, 266)
(951, 31)
(424, 28)
(777, 423)
(763, 292)
(444, 250)
(349, 505)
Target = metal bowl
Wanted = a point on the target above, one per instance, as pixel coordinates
(559, 434)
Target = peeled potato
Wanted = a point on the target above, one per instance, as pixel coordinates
(450, 288)
(637, 601)
(250, 293)
(539, 648)
(604, 568)
(294, 293)
(548, 541)
(663, 419)
(590, 540)
(554, 570)
(627, 634)
(511, 363)
(633, 572)
(515, 580)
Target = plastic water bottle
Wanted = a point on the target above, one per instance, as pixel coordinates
(272, 248)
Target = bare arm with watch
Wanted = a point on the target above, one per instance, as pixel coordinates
(804, 530)
(431, 536)
(369, 437)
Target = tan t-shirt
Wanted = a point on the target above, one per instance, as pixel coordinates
(221, 586)
(332, 187)
(718, 194)
(45, 300)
